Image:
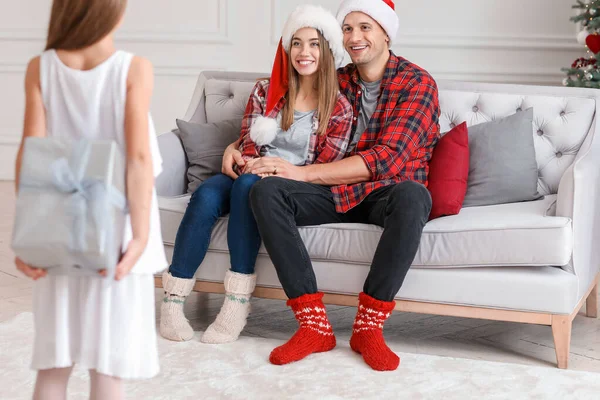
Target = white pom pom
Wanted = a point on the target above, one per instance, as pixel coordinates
(263, 130)
(581, 36)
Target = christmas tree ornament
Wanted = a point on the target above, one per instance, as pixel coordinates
(581, 36)
(593, 43)
(584, 71)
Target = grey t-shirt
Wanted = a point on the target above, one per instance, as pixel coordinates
(292, 145)
(368, 104)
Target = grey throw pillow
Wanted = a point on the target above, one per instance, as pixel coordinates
(502, 164)
(204, 145)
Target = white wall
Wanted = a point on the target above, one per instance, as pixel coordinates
(517, 41)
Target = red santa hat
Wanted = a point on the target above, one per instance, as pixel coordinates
(264, 128)
(382, 11)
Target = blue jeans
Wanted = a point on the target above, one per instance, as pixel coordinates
(216, 197)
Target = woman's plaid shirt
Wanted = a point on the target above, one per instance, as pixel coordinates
(322, 149)
(401, 134)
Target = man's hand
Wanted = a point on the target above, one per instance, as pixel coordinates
(231, 157)
(33, 273)
(275, 166)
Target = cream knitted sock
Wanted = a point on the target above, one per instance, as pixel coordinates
(232, 317)
(173, 324)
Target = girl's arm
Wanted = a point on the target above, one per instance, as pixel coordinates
(34, 124)
(139, 175)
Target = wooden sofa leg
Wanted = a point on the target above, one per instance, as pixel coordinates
(591, 303)
(561, 330)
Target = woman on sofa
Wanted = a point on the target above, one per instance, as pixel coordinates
(298, 115)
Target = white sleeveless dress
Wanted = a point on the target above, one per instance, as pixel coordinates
(93, 322)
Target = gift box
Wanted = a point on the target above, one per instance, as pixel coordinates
(71, 207)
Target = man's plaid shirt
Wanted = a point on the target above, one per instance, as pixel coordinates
(322, 149)
(401, 134)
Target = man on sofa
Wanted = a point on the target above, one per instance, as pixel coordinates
(382, 181)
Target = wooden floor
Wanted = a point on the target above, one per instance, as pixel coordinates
(411, 333)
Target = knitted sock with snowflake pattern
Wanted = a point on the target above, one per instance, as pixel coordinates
(367, 334)
(315, 334)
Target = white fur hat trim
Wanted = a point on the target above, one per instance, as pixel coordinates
(376, 9)
(311, 16)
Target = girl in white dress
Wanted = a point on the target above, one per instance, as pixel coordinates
(81, 86)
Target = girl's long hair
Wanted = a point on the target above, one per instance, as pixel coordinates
(76, 24)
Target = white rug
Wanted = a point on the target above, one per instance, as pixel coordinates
(241, 370)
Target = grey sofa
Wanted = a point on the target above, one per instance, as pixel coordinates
(530, 262)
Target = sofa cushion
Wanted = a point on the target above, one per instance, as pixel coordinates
(204, 145)
(500, 235)
(448, 172)
(502, 166)
(226, 99)
(555, 289)
(560, 124)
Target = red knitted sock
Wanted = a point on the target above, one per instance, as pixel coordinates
(314, 335)
(367, 334)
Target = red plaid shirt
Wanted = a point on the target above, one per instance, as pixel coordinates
(322, 149)
(401, 134)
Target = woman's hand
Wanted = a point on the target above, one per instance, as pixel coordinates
(232, 156)
(33, 273)
(249, 164)
(275, 166)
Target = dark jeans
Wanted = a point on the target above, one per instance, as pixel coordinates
(281, 205)
(216, 197)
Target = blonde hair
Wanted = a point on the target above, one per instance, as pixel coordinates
(326, 82)
(76, 24)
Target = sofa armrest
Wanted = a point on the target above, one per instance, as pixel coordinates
(173, 179)
(579, 199)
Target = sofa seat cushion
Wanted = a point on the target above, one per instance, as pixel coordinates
(516, 234)
(535, 289)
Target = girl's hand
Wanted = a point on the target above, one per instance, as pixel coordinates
(33, 273)
(130, 258)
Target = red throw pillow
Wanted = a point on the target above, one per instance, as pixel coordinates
(449, 172)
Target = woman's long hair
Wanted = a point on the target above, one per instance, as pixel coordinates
(326, 83)
(76, 24)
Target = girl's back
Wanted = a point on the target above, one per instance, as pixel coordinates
(89, 103)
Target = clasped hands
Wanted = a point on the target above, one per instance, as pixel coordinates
(262, 166)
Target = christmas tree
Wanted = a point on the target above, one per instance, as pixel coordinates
(585, 71)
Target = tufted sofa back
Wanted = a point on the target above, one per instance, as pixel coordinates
(562, 116)
(560, 124)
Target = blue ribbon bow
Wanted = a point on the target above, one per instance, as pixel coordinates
(68, 177)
